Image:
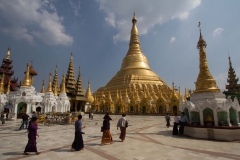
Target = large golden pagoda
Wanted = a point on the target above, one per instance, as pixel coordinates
(135, 78)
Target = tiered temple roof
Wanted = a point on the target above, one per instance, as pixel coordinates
(233, 86)
(70, 78)
(79, 88)
(6, 68)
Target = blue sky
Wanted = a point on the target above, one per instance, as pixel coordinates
(97, 33)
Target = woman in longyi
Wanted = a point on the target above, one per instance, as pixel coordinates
(107, 137)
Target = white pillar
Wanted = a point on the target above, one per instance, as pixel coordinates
(215, 117)
(34, 107)
(201, 117)
(15, 110)
(28, 108)
(228, 117)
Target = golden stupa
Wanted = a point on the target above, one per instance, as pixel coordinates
(135, 77)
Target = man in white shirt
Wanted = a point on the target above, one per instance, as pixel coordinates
(183, 122)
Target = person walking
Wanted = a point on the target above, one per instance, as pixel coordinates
(175, 126)
(106, 137)
(167, 119)
(77, 144)
(24, 121)
(183, 122)
(32, 134)
(91, 115)
(3, 118)
(34, 114)
(123, 124)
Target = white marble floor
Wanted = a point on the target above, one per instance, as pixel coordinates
(147, 139)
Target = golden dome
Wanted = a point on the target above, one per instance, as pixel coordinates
(134, 70)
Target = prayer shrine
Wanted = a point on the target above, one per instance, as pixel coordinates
(209, 112)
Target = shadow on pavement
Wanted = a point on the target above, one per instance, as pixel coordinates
(12, 153)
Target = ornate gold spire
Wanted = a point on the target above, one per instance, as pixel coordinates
(8, 86)
(2, 84)
(49, 89)
(55, 85)
(43, 89)
(88, 94)
(205, 81)
(63, 88)
(8, 53)
(27, 80)
(126, 94)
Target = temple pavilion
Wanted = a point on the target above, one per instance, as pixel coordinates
(136, 88)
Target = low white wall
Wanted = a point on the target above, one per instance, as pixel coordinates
(213, 133)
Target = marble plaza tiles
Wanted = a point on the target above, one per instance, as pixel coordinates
(147, 139)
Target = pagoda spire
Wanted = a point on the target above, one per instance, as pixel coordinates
(27, 80)
(88, 94)
(233, 86)
(49, 89)
(138, 60)
(70, 77)
(63, 88)
(55, 82)
(8, 53)
(79, 88)
(2, 84)
(43, 88)
(205, 81)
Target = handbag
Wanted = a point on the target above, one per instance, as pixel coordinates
(126, 124)
(101, 128)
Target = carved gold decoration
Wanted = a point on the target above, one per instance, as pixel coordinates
(209, 118)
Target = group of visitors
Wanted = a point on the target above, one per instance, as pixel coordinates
(122, 124)
(78, 144)
(181, 122)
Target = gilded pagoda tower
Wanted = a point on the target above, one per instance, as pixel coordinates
(205, 81)
(233, 88)
(74, 89)
(134, 77)
(6, 68)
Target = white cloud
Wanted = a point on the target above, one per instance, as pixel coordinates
(76, 6)
(172, 39)
(149, 13)
(27, 19)
(221, 80)
(217, 31)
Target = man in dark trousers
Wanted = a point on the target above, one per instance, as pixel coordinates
(24, 121)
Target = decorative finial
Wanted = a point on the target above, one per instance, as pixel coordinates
(43, 90)
(199, 25)
(8, 53)
(27, 80)
(134, 19)
(71, 57)
(63, 88)
(79, 72)
(56, 70)
(50, 82)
